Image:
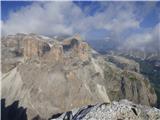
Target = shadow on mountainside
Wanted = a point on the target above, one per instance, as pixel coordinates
(13, 111)
(55, 116)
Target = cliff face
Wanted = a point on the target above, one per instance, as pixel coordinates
(127, 81)
(49, 76)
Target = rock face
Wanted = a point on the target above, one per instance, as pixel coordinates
(33, 47)
(12, 51)
(124, 63)
(126, 84)
(79, 48)
(122, 110)
(49, 76)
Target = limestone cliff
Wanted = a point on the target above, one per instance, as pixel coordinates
(48, 76)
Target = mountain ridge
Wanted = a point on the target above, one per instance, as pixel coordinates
(62, 75)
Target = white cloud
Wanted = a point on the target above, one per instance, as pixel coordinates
(114, 18)
(143, 40)
(120, 16)
(137, 40)
(43, 18)
(54, 18)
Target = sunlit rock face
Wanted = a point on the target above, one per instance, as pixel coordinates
(48, 76)
(34, 47)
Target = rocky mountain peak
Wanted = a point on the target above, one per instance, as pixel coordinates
(69, 48)
(48, 76)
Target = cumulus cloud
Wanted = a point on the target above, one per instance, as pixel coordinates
(44, 18)
(137, 40)
(50, 18)
(144, 40)
(58, 18)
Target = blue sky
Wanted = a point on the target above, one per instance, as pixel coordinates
(8, 6)
(93, 20)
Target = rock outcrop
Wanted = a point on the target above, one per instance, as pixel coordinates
(12, 51)
(122, 110)
(51, 76)
(34, 47)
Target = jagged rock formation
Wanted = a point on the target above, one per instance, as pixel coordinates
(34, 47)
(48, 76)
(122, 110)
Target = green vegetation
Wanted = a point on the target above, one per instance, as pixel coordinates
(132, 78)
(153, 73)
(157, 90)
(148, 68)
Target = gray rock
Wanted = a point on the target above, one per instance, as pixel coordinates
(64, 77)
(122, 110)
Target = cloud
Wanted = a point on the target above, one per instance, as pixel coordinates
(43, 18)
(137, 40)
(148, 39)
(66, 18)
(56, 18)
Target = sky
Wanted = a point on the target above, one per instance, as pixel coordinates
(131, 23)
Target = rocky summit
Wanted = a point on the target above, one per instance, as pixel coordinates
(122, 110)
(47, 76)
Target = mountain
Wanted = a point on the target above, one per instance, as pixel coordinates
(48, 76)
(149, 64)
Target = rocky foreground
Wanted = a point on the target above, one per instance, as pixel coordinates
(122, 110)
